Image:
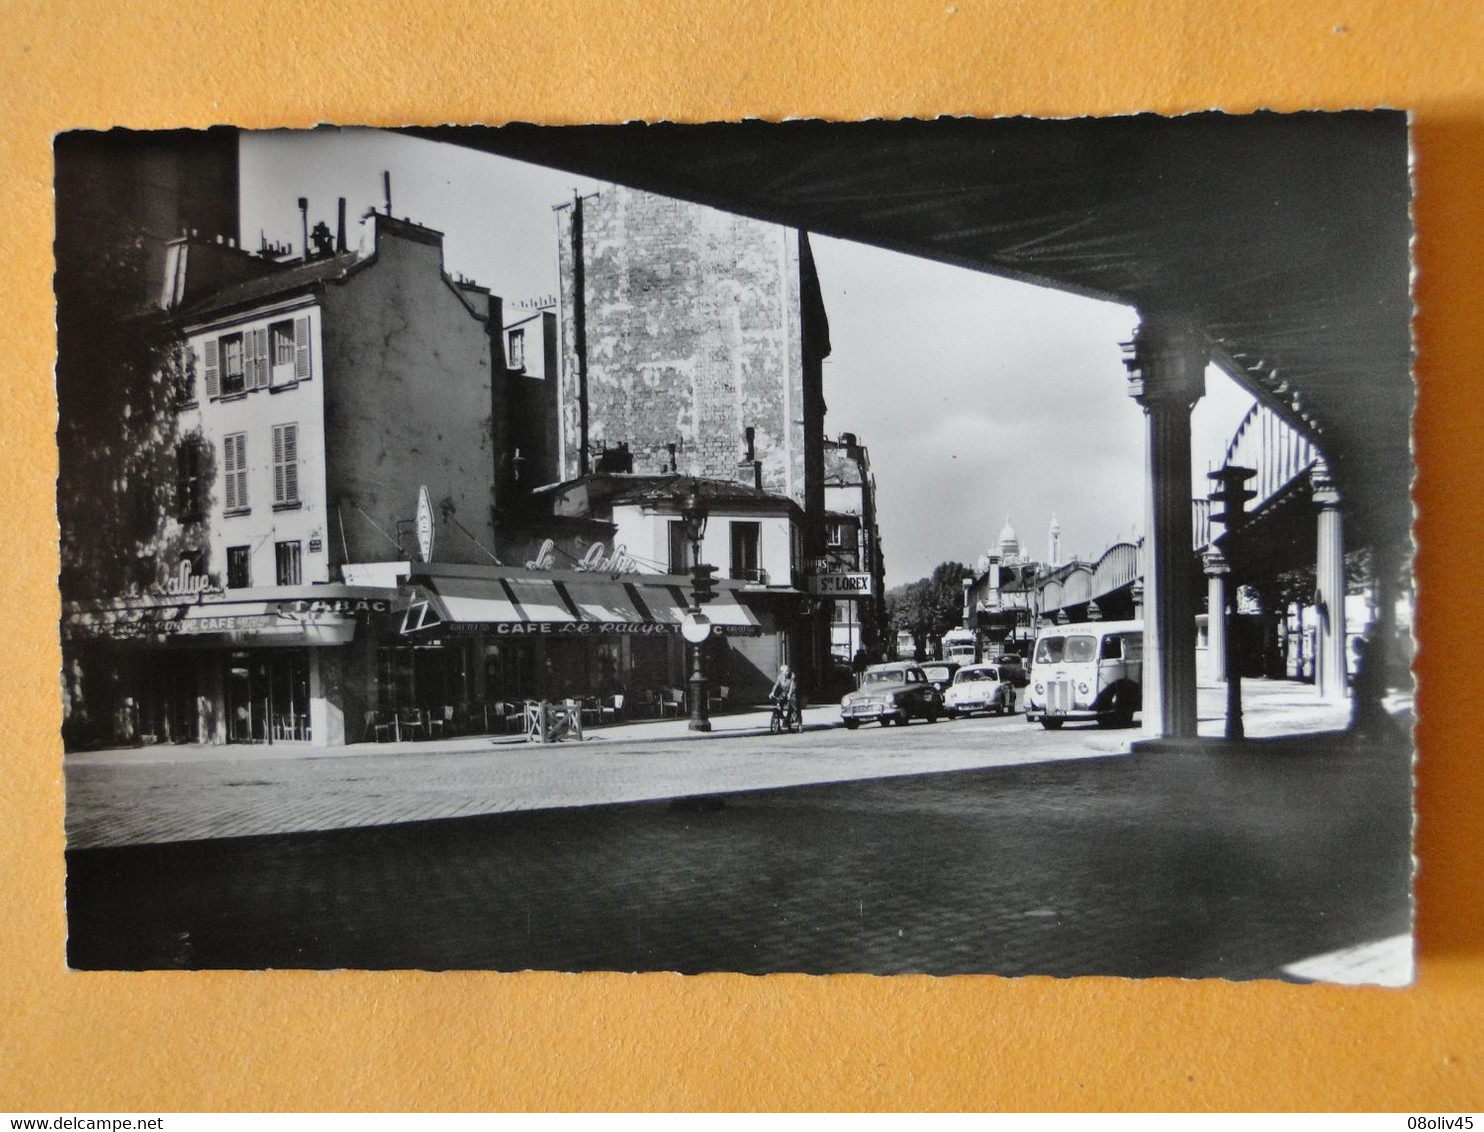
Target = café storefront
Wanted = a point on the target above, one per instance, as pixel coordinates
(432, 650)
(490, 639)
(213, 666)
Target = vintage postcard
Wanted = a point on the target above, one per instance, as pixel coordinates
(948, 547)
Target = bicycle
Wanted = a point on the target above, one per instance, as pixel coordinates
(786, 717)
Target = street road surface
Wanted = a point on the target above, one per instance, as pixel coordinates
(1041, 856)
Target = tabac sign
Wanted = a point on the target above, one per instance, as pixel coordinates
(841, 585)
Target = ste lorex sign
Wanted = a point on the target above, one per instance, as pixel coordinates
(840, 585)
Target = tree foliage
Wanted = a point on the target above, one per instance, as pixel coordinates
(119, 376)
(930, 606)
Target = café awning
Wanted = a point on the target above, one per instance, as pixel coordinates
(319, 616)
(506, 605)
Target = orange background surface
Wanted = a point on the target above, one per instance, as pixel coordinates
(307, 1041)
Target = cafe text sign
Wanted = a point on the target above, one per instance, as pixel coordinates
(566, 628)
(841, 585)
(185, 583)
(596, 560)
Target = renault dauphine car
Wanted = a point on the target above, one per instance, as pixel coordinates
(980, 687)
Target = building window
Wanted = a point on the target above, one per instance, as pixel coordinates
(745, 540)
(283, 343)
(183, 374)
(290, 572)
(234, 471)
(517, 349)
(188, 469)
(234, 365)
(680, 561)
(286, 465)
(239, 567)
(281, 353)
(838, 534)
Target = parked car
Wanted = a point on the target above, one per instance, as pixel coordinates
(940, 672)
(980, 687)
(891, 693)
(1014, 667)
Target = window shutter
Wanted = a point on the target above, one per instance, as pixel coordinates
(257, 375)
(301, 349)
(229, 465)
(291, 463)
(242, 469)
(213, 375)
(278, 487)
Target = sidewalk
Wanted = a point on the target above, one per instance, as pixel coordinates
(1271, 708)
(642, 731)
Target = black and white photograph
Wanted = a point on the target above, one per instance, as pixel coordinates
(948, 547)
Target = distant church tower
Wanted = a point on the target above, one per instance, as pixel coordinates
(1053, 542)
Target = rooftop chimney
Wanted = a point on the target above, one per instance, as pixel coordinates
(340, 228)
(304, 223)
(386, 189)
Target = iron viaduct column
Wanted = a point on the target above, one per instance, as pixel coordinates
(1167, 376)
(1329, 588)
(1217, 569)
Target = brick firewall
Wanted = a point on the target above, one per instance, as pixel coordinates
(694, 333)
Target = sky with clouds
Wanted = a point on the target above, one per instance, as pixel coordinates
(978, 397)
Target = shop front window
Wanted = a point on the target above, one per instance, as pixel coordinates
(510, 671)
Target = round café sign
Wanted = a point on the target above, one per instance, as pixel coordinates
(695, 628)
(424, 524)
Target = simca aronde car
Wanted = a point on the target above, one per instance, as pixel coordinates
(891, 693)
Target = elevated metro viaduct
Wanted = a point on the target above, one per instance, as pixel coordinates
(1291, 522)
(1273, 245)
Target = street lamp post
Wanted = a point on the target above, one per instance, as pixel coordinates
(968, 584)
(693, 513)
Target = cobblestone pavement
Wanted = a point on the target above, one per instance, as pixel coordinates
(166, 794)
(1214, 862)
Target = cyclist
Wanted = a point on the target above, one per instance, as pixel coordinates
(785, 696)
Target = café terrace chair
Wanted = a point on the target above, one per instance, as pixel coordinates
(376, 726)
(410, 721)
(592, 709)
(439, 720)
(674, 701)
(510, 715)
(716, 697)
(610, 709)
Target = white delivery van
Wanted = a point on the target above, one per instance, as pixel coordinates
(1090, 671)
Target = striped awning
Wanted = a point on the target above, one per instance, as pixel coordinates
(552, 605)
